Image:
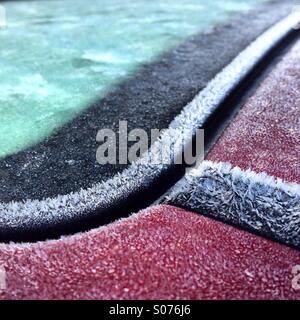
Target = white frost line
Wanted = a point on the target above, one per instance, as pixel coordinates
(38, 213)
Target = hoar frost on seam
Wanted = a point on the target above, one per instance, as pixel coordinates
(254, 201)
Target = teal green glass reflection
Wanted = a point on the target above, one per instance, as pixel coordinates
(57, 56)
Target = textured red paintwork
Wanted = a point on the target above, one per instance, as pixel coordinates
(265, 135)
(161, 253)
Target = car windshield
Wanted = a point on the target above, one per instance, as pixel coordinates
(58, 56)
